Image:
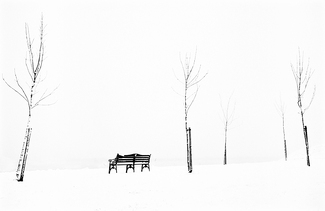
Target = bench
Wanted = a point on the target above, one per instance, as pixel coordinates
(130, 161)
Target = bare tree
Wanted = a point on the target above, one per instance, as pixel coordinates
(302, 74)
(281, 111)
(34, 64)
(190, 82)
(228, 118)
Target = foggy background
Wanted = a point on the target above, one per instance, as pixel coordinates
(114, 64)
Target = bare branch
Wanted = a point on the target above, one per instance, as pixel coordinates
(29, 48)
(196, 76)
(44, 96)
(302, 75)
(189, 96)
(180, 59)
(295, 75)
(198, 81)
(29, 73)
(21, 88)
(197, 89)
(232, 114)
(228, 117)
(40, 60)
(193, 63)
(49, 104)
(14, 89)
(311, 100)
(280, 107)
(39, 79)
(177, 78)
(40, 51)
(189, 79)
(223, 110)
(176, 92)
(306, 80)
(305, 77)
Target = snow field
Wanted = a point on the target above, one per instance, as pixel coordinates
(262, 186)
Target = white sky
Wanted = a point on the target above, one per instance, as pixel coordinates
(114, 61)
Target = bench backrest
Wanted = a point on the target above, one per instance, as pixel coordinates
(142, 158)
(125, 158)
(132, 158)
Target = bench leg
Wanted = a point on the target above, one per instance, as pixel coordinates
(112, 167)
(127, 167)
(130, 166)
(145, 166)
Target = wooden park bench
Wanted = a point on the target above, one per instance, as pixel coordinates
(130, 161)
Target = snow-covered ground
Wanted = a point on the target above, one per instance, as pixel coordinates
(276, 185)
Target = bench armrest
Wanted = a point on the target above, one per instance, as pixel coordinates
(111, 161)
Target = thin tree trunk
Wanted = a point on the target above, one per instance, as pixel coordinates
(187, 150)
(284, 138)
(306, 137)
(187, 141)
(186, 129)
(23, 156)
(188, 135)
(307, 145)
(190, 169)
(285, 150)
(225, 154)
